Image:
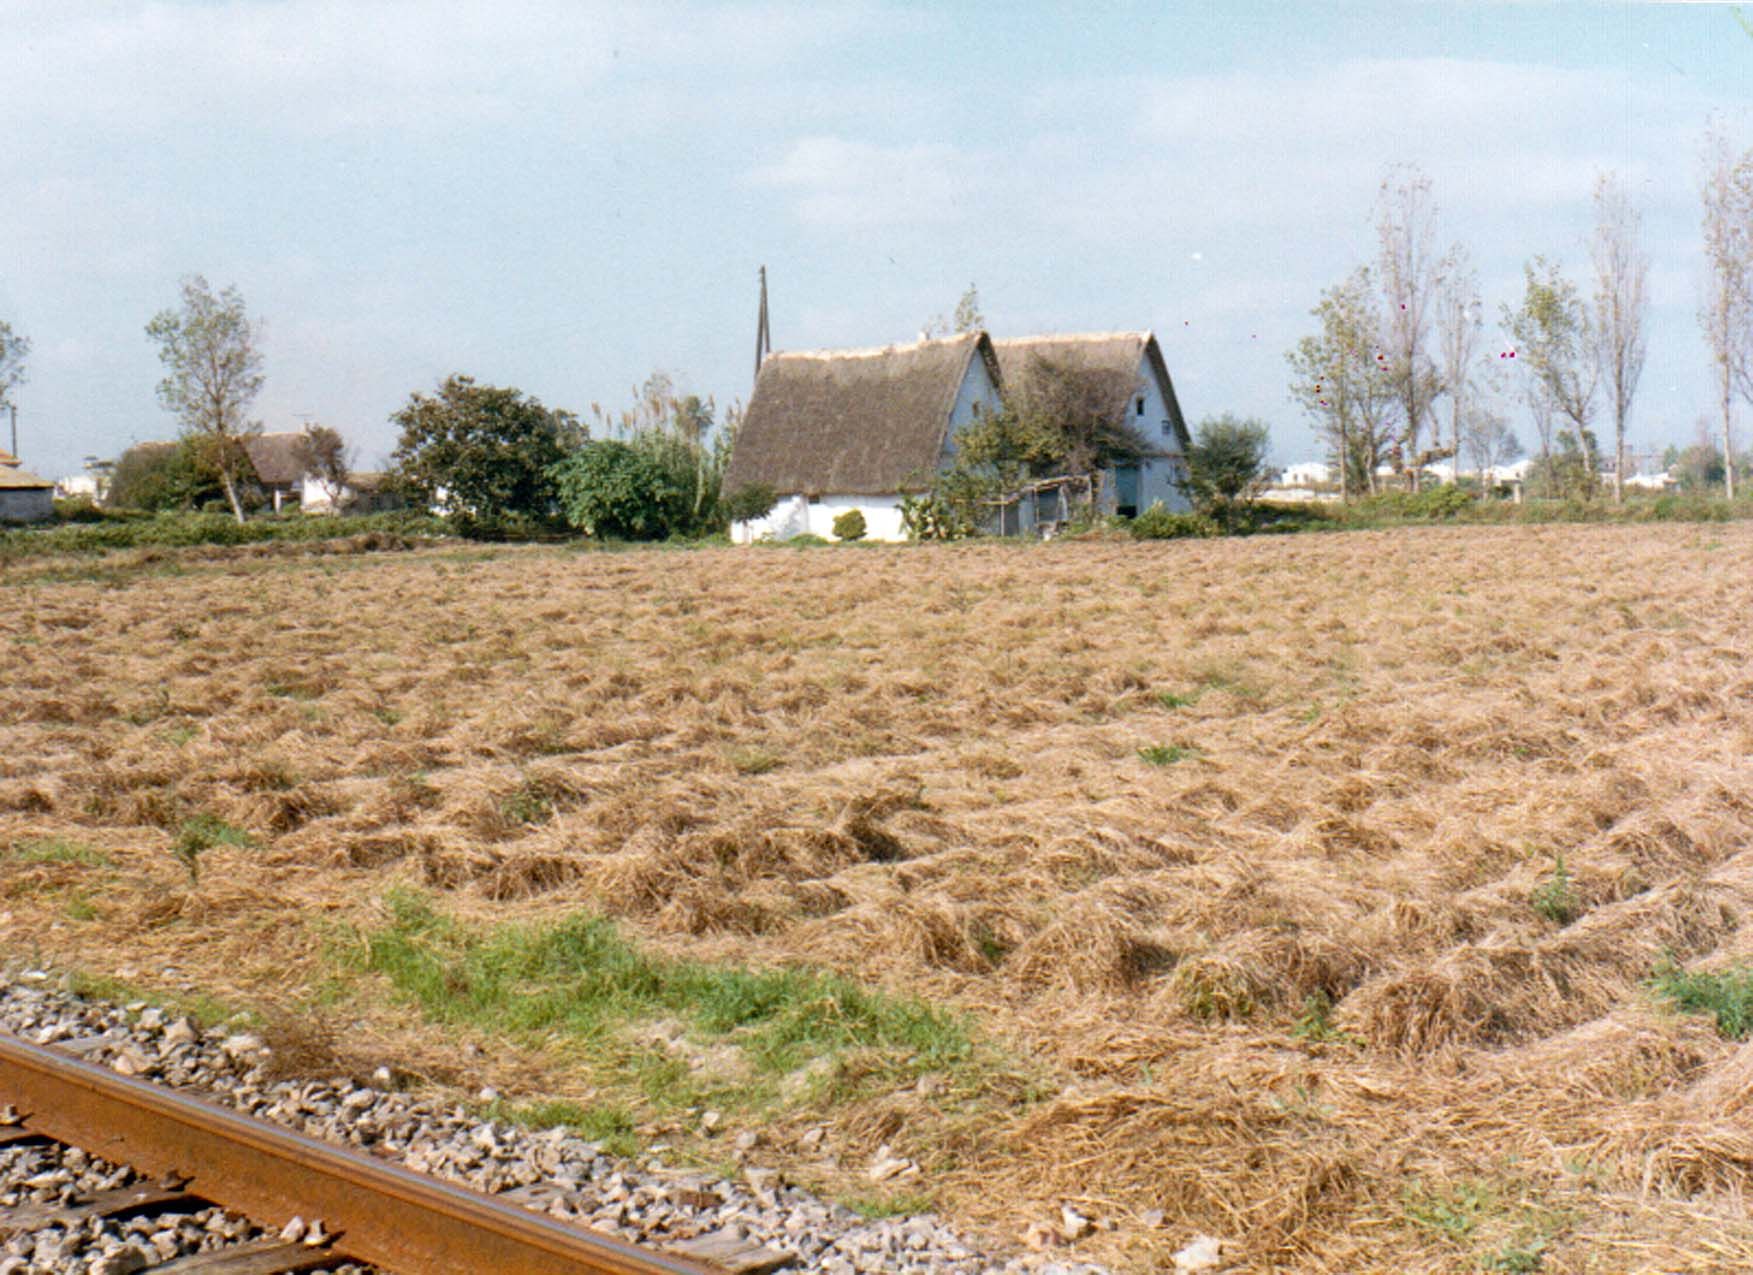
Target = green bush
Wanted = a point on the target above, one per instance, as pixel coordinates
(611, 490)
(1443, 501)
(849, 525)
(163, 476)
(78, 509)
(1158, 523)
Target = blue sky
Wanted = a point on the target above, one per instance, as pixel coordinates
(565, 197)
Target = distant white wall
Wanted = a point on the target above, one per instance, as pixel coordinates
(796, 516)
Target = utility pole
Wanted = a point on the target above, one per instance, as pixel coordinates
(14, 407)
(763, 337)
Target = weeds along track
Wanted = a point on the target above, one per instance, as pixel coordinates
(1303, 891)
(204, 1155)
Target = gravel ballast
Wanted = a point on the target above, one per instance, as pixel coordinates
(553, 1171)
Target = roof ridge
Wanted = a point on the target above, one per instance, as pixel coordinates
(1132, 334)
(874, 351)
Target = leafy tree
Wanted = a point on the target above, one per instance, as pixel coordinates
(1066, 418)
(1226, 465)
(1555, 350)
(14, 348)
(747, 503)
(610, 489)
(160, 476)
(490, 450)
(678, 432)
(324, 456)
(1699, 467)
(966, 318)
(1339, 378)
(213, 371)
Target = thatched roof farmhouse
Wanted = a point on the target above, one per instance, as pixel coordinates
(830, 430)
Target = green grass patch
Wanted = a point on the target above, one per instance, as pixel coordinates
(609, 1125)
(1165, 754)
(205, 1010)
(579, 983)
(200, 834)
(877, 1207)
(1503, 1223)
(531, 802)
(753, 761)
(1554, 898)
(58, 850)
(1726, 996)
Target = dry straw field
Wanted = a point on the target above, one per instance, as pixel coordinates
(1235, 865)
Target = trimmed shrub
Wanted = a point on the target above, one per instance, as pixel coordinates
(849, 525)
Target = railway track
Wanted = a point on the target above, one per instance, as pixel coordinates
(189, 1154)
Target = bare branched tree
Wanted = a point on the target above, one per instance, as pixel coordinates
(1458, 326)
(1410, 274)
(1726, 310)
(212, 356)
(1487, 439)
(1621, 306)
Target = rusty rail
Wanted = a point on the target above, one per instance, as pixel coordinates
(382, 1214)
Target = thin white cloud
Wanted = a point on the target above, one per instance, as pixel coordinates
(854, 185)
(326, 67)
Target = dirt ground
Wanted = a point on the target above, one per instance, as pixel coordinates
(1308, 888)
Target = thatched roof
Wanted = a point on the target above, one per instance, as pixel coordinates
(275, 458)
(1111, 357)
(867, 422)
(14, 477)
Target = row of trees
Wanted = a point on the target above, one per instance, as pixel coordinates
(499, 461)
(1404, 333)
(1401, 335)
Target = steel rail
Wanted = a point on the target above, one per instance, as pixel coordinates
(381, 1213)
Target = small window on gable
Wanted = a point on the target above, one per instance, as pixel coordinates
(1140, 404)
(1168, 430)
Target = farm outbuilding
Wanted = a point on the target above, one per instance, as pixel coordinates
(833, 430)
(279, 470)
(23, 496)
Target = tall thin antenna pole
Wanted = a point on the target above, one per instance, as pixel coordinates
(763, 337)
(14, 431)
